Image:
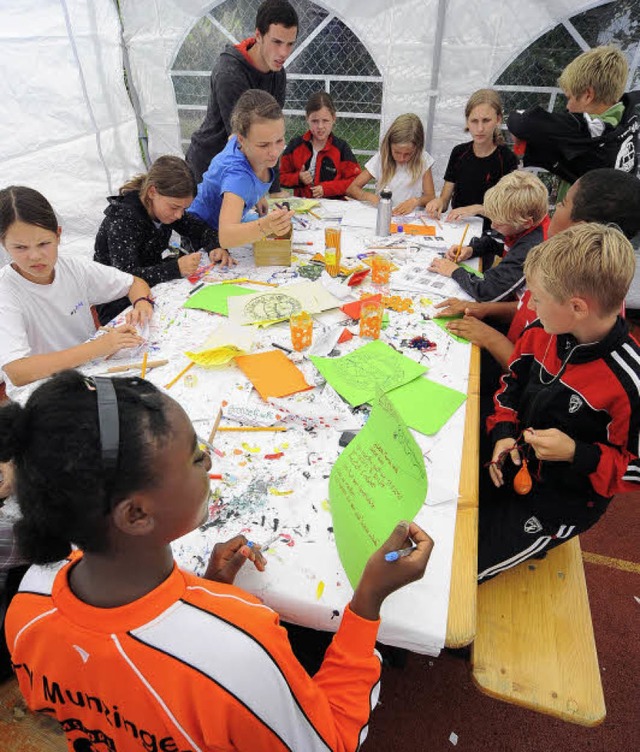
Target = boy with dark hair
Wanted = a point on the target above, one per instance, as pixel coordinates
(600, 128)
(569, 406)
(255, 63)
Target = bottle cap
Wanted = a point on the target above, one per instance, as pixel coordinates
(386, 192)
(400, 228)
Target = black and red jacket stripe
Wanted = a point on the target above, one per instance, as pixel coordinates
(591, 392)
(336, 167)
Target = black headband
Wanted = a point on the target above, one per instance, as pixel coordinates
(109, 422)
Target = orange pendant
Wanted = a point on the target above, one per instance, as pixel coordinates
(522, 483)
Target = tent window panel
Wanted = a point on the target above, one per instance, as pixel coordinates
(614, 22)
(299, 91)
(357, 96)
(361, 135)
(543, 61)
(336, 50)
(318, 59)
(240, 17)
(295, 125)
(190, 121)
(191, 90)
(201, 48)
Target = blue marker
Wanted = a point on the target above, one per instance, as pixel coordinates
(395, 555)
(264, 546)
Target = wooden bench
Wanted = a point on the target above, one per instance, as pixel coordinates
(534, 643)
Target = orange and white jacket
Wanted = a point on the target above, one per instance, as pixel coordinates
(193, 665)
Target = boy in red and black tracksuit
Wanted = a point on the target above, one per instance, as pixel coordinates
(569, 404)
(336, 167)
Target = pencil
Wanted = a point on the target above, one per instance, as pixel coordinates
(252, 428)
(150, 364)
(259, 282)
(216, 423)
(143, 368)
(180, 375)
(464, 235)
(313, 214)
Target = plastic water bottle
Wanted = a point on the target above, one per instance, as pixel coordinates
(383, 219)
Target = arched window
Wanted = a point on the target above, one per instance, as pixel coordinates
(327, 56)
(531, 78)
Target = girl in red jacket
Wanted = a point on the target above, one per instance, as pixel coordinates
(319, 164)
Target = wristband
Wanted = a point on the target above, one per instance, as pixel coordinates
(148, 299)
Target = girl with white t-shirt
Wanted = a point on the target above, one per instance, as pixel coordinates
(46, 299)
(402, 165)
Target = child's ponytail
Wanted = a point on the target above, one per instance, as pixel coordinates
(169, 175)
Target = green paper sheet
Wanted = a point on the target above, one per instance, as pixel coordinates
(214, 298)
(426, 405)
(378, 480)
(442, 322)
(371, 370)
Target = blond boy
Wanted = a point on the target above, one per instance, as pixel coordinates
(569, 403)
(600, 128)
(517, 207)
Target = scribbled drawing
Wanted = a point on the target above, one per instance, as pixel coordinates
(310, 271)
(271, 306)
(376, 372)
(239, 506)
(284, 275)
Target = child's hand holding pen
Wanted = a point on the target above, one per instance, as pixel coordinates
(382, 577)
(117, 338)
(189, 263)
(221, 256)
(277, 222)
(465, 252)
(227, 559)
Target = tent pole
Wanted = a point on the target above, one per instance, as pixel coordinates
(435, 69)
(143, 139)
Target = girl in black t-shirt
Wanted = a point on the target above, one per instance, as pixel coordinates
(477, 165)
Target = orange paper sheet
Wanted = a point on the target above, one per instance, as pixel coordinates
(415, 229)
(353, 309)
(272, 374)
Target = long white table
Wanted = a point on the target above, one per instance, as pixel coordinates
(278, 482)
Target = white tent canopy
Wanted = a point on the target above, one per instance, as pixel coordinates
(70, 130)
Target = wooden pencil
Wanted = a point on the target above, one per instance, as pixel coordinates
(216, 423)
(259, 282)
(252, 428)
(150, 364)
(459, 250)
(143, 367)
(313, 214)
(180, 375)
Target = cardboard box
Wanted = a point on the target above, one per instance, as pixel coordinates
(272, 251)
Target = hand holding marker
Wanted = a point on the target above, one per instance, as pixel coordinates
(395, 555)
(264, 546)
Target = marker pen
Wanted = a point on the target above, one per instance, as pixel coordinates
(395, 555)
(264, 546)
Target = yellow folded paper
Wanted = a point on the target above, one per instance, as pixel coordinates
(215, 357)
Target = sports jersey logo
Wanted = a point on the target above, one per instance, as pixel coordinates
(532, 525)
(626, 157)
(575, 403)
